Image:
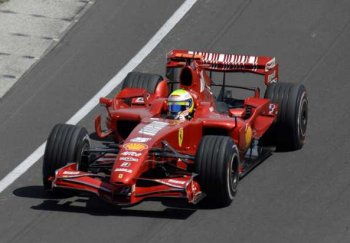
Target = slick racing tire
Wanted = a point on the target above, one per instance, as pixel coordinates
(217, 164)
(145, 81)
(288, 132)
(65, 144)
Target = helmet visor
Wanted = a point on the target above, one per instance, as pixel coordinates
(174, 108)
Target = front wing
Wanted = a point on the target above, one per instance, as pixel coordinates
(69, 177)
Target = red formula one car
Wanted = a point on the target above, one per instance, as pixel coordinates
(149, 153)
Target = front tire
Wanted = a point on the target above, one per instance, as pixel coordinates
(65, 144)
(217, 166)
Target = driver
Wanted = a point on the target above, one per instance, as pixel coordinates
(180, 105)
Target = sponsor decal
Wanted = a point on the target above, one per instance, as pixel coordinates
(140, 140)
(125, 164)
(202, 82)
(153, 128)
(171, 182)
(71, 172)
(128, 153)
(271, 78)
(270, 64)
(248, 136)
(176, 181)
(123, 170)
(180, 136)
(120, 176)
(131, 159)
(272, 109)
(135, 146)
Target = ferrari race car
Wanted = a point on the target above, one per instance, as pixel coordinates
(148, 153)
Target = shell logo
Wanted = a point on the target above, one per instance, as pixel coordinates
(248, 136)
(135, 146)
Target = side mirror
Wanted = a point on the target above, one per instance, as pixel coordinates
(105, 101)
(237, 112)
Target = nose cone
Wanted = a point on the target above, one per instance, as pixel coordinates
(129, 162)
(132, 159)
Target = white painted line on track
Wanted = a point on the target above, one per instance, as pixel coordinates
(117, 79)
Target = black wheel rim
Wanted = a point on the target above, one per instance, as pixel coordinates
(303, 116)
(232, 175)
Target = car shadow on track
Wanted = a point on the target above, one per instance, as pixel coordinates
(174, 209)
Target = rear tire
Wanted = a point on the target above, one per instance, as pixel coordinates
(145, 81)
(65, 144)
(217, 166)
(288, 132)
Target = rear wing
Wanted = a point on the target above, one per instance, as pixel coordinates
(218, 62)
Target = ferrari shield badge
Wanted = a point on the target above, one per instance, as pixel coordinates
(181, 136)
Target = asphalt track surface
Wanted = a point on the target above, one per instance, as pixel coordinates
(301, 196)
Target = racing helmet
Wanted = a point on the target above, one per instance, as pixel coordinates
(180, 104)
